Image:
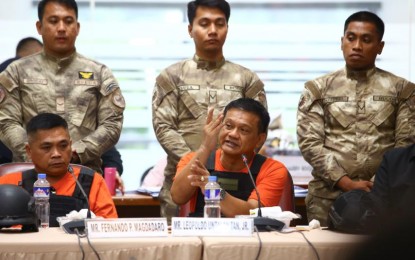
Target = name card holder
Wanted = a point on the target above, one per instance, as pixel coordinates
(218, 227)
(126, 227)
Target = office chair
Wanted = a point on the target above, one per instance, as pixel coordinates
(12, 167)
(287, 201)
(7, 168)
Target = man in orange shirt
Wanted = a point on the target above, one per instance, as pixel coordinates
(49, 148)
(241, 130)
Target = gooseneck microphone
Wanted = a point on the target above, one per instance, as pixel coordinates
(262, 223)
(253, 183)
(77, 225)
(70, 169)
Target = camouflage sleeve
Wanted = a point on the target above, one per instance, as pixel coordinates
(256, 91)
(311, 136)
(12, 133)
(405, 117)
(165, 118)
(109, 120)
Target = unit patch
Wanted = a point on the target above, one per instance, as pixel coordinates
(212, 97)
(118, 100)
(110, 87)
(85, 75)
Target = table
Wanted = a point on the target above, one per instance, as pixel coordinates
(329, 244)
(54, 243)
(133, 205)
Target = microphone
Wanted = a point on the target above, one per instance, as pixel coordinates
(262, 223)
(77, 225)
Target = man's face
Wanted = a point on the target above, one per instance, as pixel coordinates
(50, 151)
(240, 134)
(360, 45)
(59, 29)
(209, 30)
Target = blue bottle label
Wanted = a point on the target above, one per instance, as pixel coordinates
(41, 192)
(212, 194)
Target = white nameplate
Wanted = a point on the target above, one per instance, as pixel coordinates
(126, 227)
(220, 227)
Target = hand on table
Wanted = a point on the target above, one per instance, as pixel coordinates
(119, 183)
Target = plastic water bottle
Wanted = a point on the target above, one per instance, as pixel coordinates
(212, 198)
(41, 191)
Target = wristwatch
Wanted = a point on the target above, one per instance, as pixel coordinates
(222, 194)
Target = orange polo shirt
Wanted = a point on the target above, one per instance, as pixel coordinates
(270, 180)
(100, 199)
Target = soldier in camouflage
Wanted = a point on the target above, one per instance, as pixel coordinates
(347, 119)
(185, 91)
(61, 81)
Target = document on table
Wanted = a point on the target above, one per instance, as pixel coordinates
(152, 191)
(299, 191)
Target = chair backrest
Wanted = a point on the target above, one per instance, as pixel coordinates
(145, 173)
(287, 201)
(7, 168)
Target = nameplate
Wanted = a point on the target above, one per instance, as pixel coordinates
(218, 227)
(126, 227)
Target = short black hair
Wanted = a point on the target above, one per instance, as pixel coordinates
(221, 4)
(366, 16)
(68, 3)
(45, 121)
(252, 106)
(25, 43)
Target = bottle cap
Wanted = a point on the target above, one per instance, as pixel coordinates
(212, 178)
(41, 175)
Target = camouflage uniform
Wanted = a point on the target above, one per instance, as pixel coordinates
(182, 95)
(80, 90)
(346, 120)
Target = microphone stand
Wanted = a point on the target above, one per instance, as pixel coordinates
(77, 225)
(262, 223)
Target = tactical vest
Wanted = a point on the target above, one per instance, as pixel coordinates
(61, 205)
(237, 184)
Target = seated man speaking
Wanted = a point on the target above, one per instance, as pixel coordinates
(241, 130)
(49, 148)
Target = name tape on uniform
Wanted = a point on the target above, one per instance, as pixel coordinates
(220, 227)
(126, 227)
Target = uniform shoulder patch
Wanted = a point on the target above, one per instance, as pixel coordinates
(118, 100)
(110, 87)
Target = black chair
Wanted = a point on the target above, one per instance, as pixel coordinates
(7, 168)
(287, 201)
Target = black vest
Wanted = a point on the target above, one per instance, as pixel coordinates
(61, 205)
(237, 184)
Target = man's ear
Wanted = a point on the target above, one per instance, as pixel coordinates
(189, 30)
(381, 45)
(28, 151)
(39, 27)
(261, 140)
